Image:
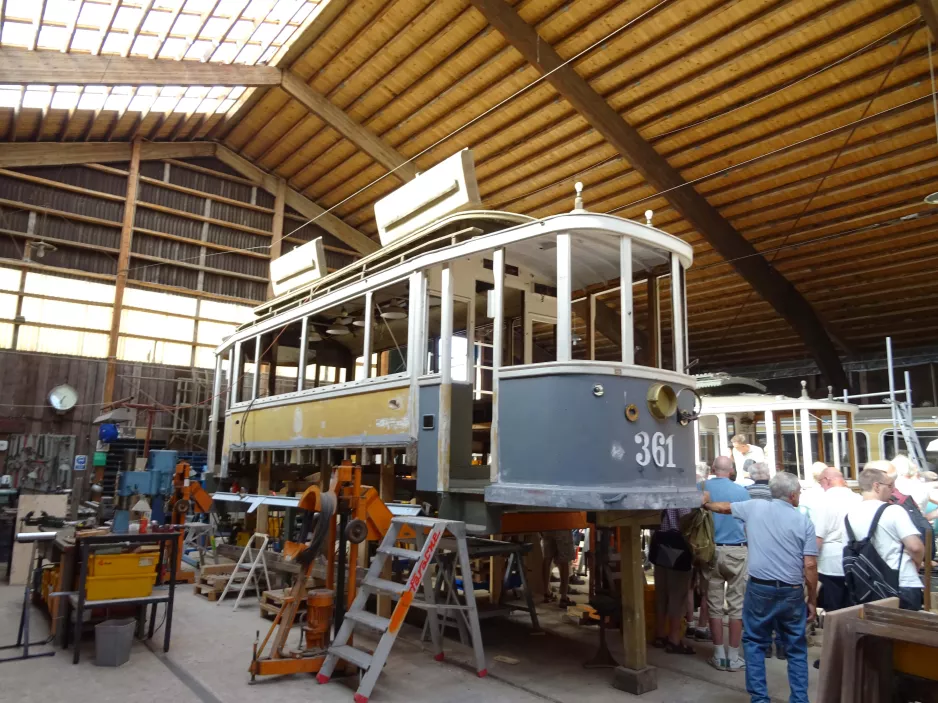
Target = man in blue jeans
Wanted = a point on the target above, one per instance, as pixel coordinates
(782, 560)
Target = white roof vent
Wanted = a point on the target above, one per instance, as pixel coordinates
(303, 265)
(448, 187)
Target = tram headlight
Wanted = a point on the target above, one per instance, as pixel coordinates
(662, 401)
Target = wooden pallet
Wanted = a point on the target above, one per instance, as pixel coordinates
(212, 581)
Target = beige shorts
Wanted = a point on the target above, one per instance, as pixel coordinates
(558, 546)
(671, 587)
(726, 581)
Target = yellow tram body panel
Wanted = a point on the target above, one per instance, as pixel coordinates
(379, 414)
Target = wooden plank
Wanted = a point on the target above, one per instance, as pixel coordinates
(303, 205)
(722, 236)
(18, 66)
(54, 154)
(123, 266)
(367, 141)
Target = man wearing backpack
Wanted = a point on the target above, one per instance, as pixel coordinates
(894, 538)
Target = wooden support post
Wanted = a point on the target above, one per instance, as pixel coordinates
(123, 266)
(325, 469)
(386, 492)
(654, 323)
(635, 676)
(263, 487)
(276, 242)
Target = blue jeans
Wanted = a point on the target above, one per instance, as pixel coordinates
(767, 608)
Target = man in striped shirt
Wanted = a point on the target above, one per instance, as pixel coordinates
(759, 490)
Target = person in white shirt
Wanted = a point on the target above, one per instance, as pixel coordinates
(811, 492)
(896, 539)
(743, 451)
(828, 518)
(908, 481)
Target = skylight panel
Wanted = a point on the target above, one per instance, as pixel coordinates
(245, 32)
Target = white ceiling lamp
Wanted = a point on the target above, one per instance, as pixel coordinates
(358, 323)
(393, 312)
(338, 330)
(313, 336)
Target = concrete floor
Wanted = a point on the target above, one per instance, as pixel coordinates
(211, 649)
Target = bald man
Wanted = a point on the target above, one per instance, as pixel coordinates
(828, 518)
(726, 579)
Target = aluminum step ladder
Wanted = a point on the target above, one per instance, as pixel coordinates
(405, 593)
(909, 435)
(249, 574)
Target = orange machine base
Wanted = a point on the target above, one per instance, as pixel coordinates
(281, 667)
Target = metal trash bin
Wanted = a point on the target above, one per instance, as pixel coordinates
(112, 641)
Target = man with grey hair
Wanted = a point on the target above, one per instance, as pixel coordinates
(760, 474)
(782, 560)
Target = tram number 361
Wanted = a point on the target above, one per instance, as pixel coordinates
(657, 447)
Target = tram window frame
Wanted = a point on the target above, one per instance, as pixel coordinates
(925, 435)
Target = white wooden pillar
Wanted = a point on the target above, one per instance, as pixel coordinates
(697, 456)
(770, 441)
(446, 378)
(625, 303)
(807, 456)
(236, 377)
(304, 353)
(564, 298)
(366, 344)
(498, 343)
(724, 446)
(835, 438)
(677, 316)
(256, 381)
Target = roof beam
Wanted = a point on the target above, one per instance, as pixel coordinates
(54, 154)
(303, 205)
(929, 10)
(367, 141)
(655, 169)
(18, 66)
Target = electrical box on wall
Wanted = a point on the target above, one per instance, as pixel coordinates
(4, 445)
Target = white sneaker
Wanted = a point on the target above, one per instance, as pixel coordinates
(735, 664)
(717, 663)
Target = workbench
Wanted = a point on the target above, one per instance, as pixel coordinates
(76, 603)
